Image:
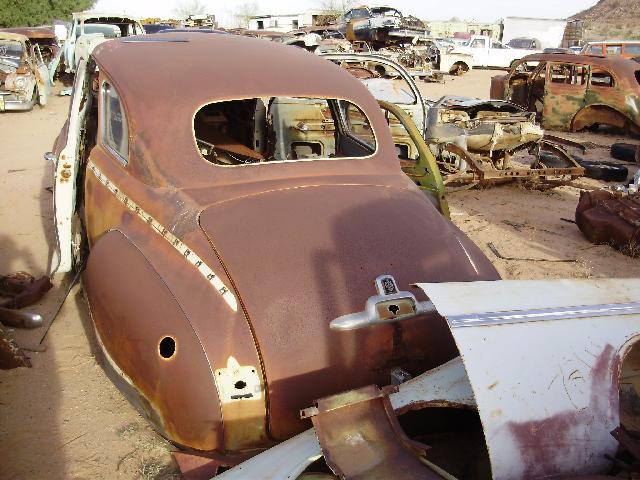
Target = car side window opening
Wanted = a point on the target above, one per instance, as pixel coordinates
(478, 43)
(568, 74)
(406, 148)
(357, 123)
(495, 44)
(614, 50)
(596, 50)
(632, 49)
(601, 78)
(258, 130)
(115, 131)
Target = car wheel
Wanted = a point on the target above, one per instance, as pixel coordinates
(624, 151)
(606, 171)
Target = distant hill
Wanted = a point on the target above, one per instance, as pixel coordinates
(611, 19)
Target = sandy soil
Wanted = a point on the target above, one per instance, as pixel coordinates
(64, 419)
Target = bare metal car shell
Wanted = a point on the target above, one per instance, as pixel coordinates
(241, 268)
(27, 83)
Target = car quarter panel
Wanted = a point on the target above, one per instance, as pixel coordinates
(214, 322)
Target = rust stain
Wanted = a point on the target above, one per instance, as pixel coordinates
(544, 444)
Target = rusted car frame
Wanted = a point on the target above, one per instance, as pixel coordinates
(25, 79)
(240, 231)
(47, 42)
(472, 140)
(573, 92)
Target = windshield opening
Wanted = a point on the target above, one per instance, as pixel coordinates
(10, 53)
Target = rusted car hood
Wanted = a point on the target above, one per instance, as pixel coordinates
(300, 257)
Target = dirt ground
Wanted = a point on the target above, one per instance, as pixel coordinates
(64, 419)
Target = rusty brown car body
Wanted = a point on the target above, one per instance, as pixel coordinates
(44, 37)
(211, 287)
(573, 92)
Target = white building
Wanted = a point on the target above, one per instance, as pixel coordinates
(283, 22)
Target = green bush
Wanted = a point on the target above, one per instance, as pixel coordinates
(30, 13)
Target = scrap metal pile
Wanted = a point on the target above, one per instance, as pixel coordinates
(380, 30)
(472, 141)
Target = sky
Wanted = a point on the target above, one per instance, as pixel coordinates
(480, 10)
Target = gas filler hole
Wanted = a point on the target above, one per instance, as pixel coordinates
(167, 347)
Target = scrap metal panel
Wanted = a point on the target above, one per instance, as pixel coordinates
(544, 366)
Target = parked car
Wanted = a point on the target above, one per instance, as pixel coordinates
(220, 245)
(525, 43)
(488, 52)
(626, 49)
(89, 29)
(25, 79)
(572, 92)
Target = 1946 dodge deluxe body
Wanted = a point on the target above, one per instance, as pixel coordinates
(220, 247)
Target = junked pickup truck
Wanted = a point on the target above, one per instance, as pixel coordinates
(488, 52)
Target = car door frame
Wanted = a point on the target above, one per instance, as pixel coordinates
(417, 110)
(67, 166)
(571, 98)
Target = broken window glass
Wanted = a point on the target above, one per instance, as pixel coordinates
(258, 130)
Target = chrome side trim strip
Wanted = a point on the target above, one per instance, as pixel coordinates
(539, 315)
(174, 241)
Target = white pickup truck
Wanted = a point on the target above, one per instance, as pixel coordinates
(488, 52)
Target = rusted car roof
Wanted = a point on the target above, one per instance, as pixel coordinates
(164, 129)
(31, 32)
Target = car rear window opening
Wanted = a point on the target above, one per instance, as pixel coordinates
(258, 130)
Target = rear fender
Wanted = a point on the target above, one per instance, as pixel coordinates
(149, 341)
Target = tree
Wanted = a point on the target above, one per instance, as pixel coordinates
(32, 13)
(334, 8)
(186, 8)
(243, 14)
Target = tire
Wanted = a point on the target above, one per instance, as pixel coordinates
(624, 151)
(605, 171)
(551, 160)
